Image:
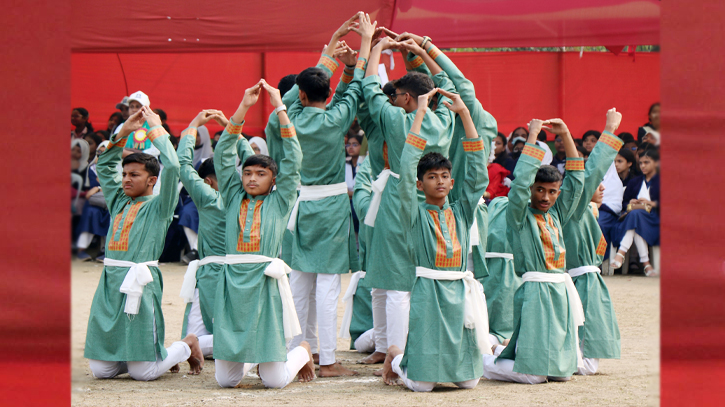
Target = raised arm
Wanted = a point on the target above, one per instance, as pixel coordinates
(169, 193)
(599, 161)
(199, 191)
(525, 173)
(363, 190)
(381, 111)
(107, 166)
(571, 189)
(225, 154)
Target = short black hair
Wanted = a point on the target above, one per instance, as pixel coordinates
(315, 83)
(627, 137)
(432, 161)
(96, 138)
(82, 111)
(118, 116)
(548, 173)
(150, 162)
(627, 154)
(583, 150)
(262, 161)
(206, 169)
(542, 136)
(594, 133)
(652, 152)
(103, 134)
(286, 83)
(389, 89)
(415, 83)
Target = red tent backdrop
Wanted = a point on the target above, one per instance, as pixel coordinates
(513, 86)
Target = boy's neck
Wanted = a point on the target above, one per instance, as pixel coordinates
(436, 201)
(319, 105)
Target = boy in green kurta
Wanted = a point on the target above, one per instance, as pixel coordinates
(586, 245)
(200, 281)
(126, 326)
(547, 309)
(321, 222)
(448, 317)
(390, 262)
(254, 312)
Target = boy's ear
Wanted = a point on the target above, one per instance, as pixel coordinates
(419, 185)
(152, 179)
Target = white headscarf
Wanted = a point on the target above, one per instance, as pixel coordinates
(203, 151)
(85, 152)
(92, 166)
(261, 144)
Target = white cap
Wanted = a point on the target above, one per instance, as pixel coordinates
(140, 97)
(123, 102)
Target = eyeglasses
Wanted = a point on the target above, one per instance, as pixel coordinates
(633, 148)
(395, 95)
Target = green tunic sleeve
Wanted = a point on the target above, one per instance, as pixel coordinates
(344, 109)
(225, 162)
(571, 190)
(108, 175)
(200, 192)
(475, 182)
(596, 166)
(363, 190)
(412, 151)
(288, 180)
(347, 77)
(382, 113)
(520, 193)
(169, 192)
(417, 64)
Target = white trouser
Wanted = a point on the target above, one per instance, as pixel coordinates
(84, 240)
(425, 386)
(195, 325)
(326, 290)
(591, 365)
(391, 311)
(365, 343)
(273, 374)
(503, 370)
(641, 244)
(144, 371)
(310, 331)
(192, 237)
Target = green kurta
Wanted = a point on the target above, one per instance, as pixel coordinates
(586, 247)
(248, 310)
(543, 325)
(137, 234)
(390, 262)
(208, 202)
(499, 279)
(362, 309)
(485, 123)
(439, 347)
(324, 227)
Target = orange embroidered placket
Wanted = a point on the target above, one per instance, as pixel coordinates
(122, 224)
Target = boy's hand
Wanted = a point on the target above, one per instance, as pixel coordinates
(274, 97)
(425, 98)
(457, 106)
(251, 95)
(218, 116)
(348, 26)
(386, 43)
(614, 118)
(365, 27)
(389, 33)
(151, 117)
(347, 55)
(133, 123)
(535, 126)
(411, 46)
(556, 126)
(200, 119)
(406, 35)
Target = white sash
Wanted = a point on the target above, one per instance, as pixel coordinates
(576, 272)
(473, 236)
(189, 284)
(575, 303)
(476, 311)
(278, 270)
(137, 277)
(495, 255)
(347, 299)
(314, 193)
(378, 187)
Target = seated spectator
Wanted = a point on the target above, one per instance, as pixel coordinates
(522, 132)
(583, 153)
(95, 218)
(202, 148)
(502, 156)
(611, 205)
(93, 141)
(124, 108)
(259, 145)
(104, 135)
(352, 147)
(624, 162)
(114, 121)
(517, 146)
(79, 120)
(217, 135)
(589, 140)
(559, 159)
(541, 142)
(641, 223)
(652, 126)
(79, 153)
(498, 183)
(627, 138)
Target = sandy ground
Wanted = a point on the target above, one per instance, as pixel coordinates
(631, 381)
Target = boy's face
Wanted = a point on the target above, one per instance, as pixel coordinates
(436, 184)
(136, 180)
(257, 180)
(544, 195)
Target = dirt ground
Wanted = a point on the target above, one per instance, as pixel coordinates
(631, 381)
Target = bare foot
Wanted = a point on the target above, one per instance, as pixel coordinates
(378, 372)
(307, 373)
(316, 358)
(506, 342)
(336, 370)
(389, 376)
(376, 357)
(196, 360)
(175, 368)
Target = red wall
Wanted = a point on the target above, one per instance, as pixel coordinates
(513, 86)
